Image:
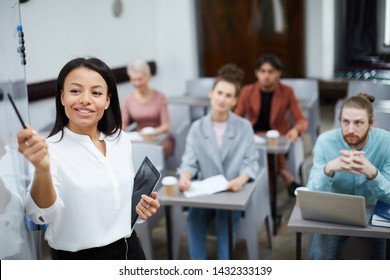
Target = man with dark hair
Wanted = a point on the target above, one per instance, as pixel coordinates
(267, 102)
(353, 159)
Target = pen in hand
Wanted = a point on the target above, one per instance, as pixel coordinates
(16, 111)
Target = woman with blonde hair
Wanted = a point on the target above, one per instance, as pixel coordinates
(146, 106)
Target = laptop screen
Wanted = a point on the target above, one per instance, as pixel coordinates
(334, 208)
(145, 181)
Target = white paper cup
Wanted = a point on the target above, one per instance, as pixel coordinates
(272, 137)
(170, 185)
(301, 189)
(148, 134)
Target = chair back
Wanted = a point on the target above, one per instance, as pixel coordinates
(179, 126)
(296, 162)
(382, 119)
(380, 90)
(199, 87)
(307, 92)
(305, 89)
(153, 151)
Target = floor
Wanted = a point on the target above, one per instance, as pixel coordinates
(283, 241)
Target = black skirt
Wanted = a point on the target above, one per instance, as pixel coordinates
(123, 249)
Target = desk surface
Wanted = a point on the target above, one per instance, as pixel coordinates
(297, 224)
(190, 101)
(223, 200)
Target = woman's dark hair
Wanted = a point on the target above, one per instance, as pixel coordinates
(112, 118)
(271, 59)
(361, 101)
(230, 73)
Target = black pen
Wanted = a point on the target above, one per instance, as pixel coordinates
(16, 110)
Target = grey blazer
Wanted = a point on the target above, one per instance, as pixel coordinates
(237, 155)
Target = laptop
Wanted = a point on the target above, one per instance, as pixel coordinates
(335, 208)
(145, 181)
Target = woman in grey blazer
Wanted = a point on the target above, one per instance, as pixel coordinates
(218, 143)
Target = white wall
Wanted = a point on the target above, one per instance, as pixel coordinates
(381, 27)
(57, 31)
(320, 38)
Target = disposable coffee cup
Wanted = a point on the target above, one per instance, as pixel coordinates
(170, 185)
(272, 137)
(148, 134)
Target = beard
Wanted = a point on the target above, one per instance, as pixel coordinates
(354, 140)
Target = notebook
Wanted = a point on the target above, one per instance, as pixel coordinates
(381, 216)
(145, 181)
(335, 208)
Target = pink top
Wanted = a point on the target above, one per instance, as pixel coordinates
(152, 113)
(219, 131)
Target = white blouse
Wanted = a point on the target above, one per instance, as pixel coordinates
(93, 205)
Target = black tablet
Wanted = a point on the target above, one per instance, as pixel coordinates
(145, 181)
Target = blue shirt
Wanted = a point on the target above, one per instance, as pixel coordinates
(377, 151)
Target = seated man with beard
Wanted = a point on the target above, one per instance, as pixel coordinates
(353, 159)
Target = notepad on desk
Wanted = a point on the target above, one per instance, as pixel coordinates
(381, 216)
(210, 185)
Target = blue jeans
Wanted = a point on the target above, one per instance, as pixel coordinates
(198, 221)
(326, 247)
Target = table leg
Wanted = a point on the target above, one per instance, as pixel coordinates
(275, 217)
(168, 224)
(298, 246)
(230, 234)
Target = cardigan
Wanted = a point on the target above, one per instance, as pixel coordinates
(237, 155)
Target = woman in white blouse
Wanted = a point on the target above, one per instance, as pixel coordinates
(83, 173)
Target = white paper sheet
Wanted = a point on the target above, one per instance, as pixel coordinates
(259, 140)
(210, 185)
(135, 136)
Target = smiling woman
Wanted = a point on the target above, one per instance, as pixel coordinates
(85, 98)
(73, 77)
(83, 172)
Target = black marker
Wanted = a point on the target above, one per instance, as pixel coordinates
(16, 110)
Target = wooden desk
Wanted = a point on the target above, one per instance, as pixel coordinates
(299, 225)
(282, 148)
(230, 201)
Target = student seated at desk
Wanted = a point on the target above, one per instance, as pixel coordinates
(267, 103)
(218, 143)
(353, 159)
(146, 106)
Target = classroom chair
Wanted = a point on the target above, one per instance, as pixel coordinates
(199, 87)
(307, 92)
